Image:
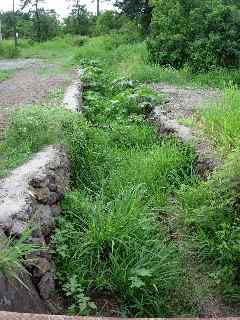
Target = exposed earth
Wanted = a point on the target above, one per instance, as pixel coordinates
(33, 82)
(182, 102)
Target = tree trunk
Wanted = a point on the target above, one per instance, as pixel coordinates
(14, 26)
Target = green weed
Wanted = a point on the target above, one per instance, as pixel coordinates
(13, 254)
(210, 213)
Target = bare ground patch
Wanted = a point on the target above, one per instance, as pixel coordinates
(33, 83)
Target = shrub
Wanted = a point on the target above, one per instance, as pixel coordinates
(203, 34)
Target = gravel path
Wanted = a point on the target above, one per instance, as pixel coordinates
(15, 64)
(32, 84)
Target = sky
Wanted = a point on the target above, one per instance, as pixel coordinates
(61, 6)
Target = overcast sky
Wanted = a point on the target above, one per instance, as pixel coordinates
(61, 6)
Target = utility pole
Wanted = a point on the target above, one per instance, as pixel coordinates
(98, 7)
(1, 37)
(14, 26)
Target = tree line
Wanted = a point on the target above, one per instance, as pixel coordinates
(32, 21)
(196, 33)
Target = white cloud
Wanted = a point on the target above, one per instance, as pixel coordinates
(61, 6)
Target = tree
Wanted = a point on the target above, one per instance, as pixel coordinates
(33, 6)
(77, 2)
(79, 21)
(107, 22)
(138, 10)
(202, 34)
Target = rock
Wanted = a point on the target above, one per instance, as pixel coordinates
(55, 197)
(16, 297)
(45, 218)
(42, 267)
(46, 286)
(18, 228)
(41, 194)
(39, 181)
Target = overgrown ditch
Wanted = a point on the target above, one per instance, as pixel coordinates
(140, 235)
(115, 248)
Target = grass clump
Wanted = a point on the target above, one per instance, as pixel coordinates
(221, 120)
(210, 213)
(30, 129)
(115, 250)
(13, 255)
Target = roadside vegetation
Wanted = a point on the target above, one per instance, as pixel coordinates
(4, 75)
(141, 235)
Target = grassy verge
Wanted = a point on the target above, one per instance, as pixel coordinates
(60, 50)
(220, 121)
(209, 210)
(131, 60)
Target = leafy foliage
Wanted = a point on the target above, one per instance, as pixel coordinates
(138, 10)
(202, 34)
(109, 98)
(7, 50)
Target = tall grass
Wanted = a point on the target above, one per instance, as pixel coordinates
(210, 216)
(29, 130)
(110, 242)
(13, 256)
(221, 119)
(8, 50)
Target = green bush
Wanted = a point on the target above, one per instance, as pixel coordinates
(202, 34)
